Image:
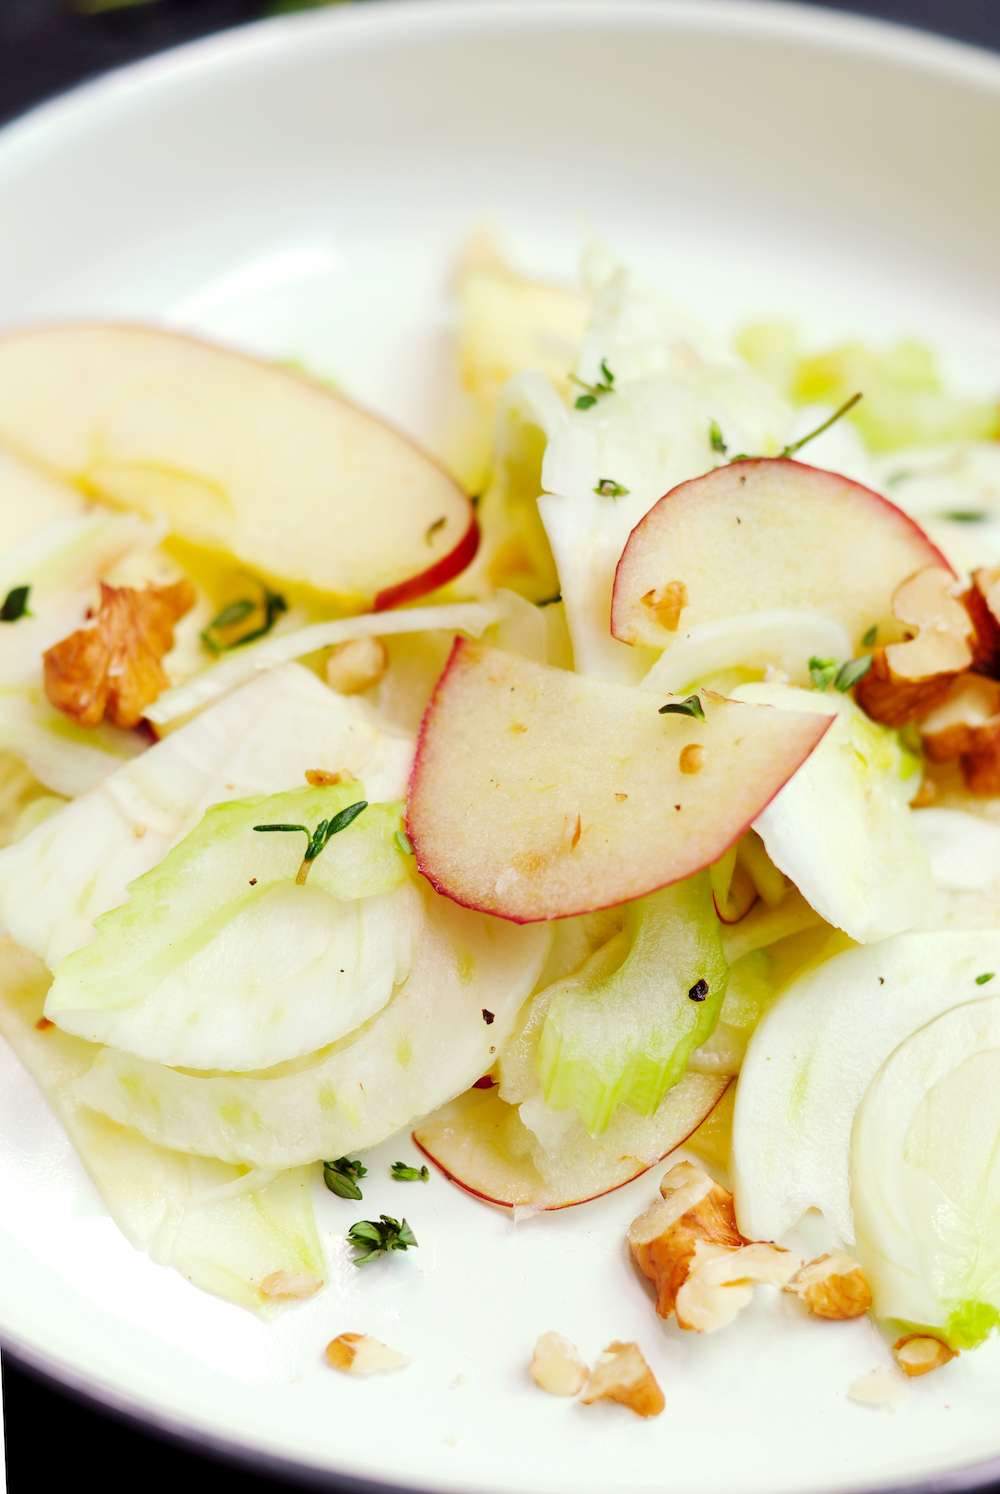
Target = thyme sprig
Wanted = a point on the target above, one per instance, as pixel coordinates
(272, 604)
(377, 1237)
(404, 1173)
(843, 677)
(594, 391)
(341, 1176)
(319, 839)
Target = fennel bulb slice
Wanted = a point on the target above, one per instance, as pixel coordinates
(220, 961)
(428, 1044)
(623, 1036)
(811, 1059)
(925, 1174)
(67, 758)
(781, 637)
(220, 1226)
(259, 740)
(841, 829)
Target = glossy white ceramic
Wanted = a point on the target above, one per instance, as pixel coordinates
(301, 188)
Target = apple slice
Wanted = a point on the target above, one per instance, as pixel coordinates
(760, 534)
(240, 456)
(537, 793)
(480, 1142)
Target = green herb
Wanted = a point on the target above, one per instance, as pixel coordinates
(594, 391)
(982, 979)
(404, 843)
(341, 1177)
(715, 437)
(961, 517)
(823, 672)
(848, 404)
(376, 1238)
(271, 606)
(404, 1174)
(848, 674)
(608, 488)
(550, 601)
(15, 604)
(690, 707)
(870, 636)
(320, 838)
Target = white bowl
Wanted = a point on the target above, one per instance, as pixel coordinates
(301, 187)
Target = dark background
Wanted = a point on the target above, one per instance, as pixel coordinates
(53, 1442)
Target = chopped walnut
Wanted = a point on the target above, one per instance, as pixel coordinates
(622, 1374)
(290, 1284)
(966, 725)
(906, 680)
(320, 778)
(919, 1354)
(832, 1286)
(112, 666)
(982, 603)
(692, 758)
(720, 1282)
(356, 665)
(360, 1354)
(694, 1208)
(556, 1365)
(666, 603)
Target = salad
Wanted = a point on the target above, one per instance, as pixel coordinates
(650, 798)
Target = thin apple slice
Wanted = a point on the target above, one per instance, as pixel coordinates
(480, 1142)
(760, 534)
(537, 793)
(240, 456)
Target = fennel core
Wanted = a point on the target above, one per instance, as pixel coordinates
(318, 839)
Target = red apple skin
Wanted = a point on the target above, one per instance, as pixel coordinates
(569, 1203)
(439, 574)
(440, 807)
(647, 560)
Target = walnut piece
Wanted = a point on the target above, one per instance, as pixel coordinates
(360, 1354)
(982, 603)
(622, 1374)
(693, 1208)
(356, 665)
(883, 1387)
(692, 758)
(918, 1354)
(720, 1282)
(112, 667)
(290, 1284)
(966, 725)
(666, 603)
(556, 1365)
(832, 1286)
(321, 778)
(906, 680)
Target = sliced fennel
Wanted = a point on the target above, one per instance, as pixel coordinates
(653, 430)
(220, 961)
(841, 828)
(781, 638)
(260, 740)
(925, 1174)
(67, 758)
(242, 664)
(625, 1037)
(222, 1227)
(812, 1057)
(430, 1042)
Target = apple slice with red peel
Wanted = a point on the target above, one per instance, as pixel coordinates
(240, 456)
(538, 794)
(760, 534)
(480, 1142)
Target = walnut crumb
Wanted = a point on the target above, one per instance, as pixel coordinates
(692, 758)
(720, 1282)
(320, 778)
(918, 1354)
(832, 1286)
(360, 1354)
(556, 1365)
(666, 603)
(112, 667)
(356, 665)
(290, 1284)
(622, 1374)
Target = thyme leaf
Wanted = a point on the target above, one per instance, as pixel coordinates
(403, 1173)
(341, 1176)
(15, 604)
(317, 840)
(690, 707)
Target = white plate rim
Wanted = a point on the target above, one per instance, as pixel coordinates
(907, 47)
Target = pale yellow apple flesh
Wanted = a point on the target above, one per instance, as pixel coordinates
(761, 534)
(480, 1143)
(537, 793)
(239, 456)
